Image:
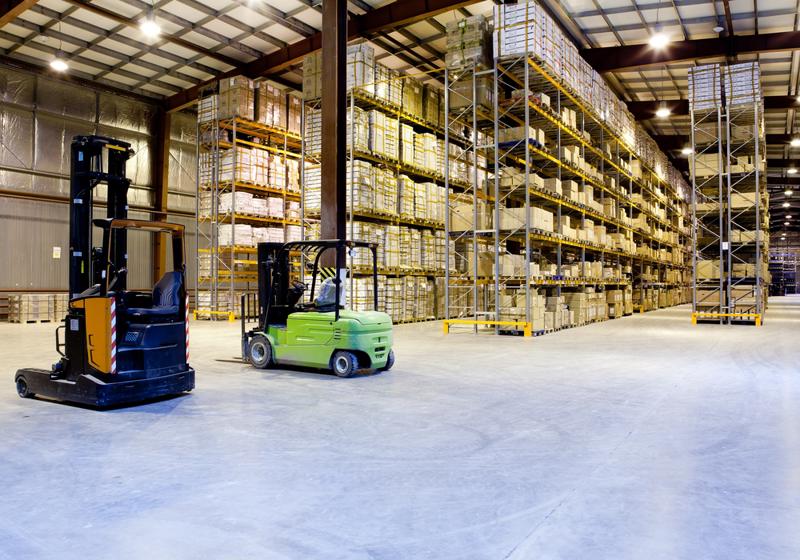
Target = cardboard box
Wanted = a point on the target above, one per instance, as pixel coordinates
(708, 270)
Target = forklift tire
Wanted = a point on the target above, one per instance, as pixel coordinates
(389, 361)
(344, 364)
(260, 352)
(22, 388)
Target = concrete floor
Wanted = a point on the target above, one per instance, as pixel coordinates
(638, 438)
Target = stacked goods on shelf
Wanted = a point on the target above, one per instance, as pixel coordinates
(236, 98)
(37, 308)
(248, 185)
(374, 191)
(360, 71)
(395, 180)
(468, 42)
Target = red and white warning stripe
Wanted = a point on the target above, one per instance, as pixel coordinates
(187, 328)
(113, 336)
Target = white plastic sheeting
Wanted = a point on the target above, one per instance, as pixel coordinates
(17, 87)
(128, 114)
(60, 98)
(38, 118)
(183, 159)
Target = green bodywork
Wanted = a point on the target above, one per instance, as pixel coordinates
(310, 338)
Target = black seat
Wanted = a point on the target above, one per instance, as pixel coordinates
(166, 298)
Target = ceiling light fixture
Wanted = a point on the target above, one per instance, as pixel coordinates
(150, 28)
(786, 205)
(718, 29)
(663, 112)
(788, 192)
(794, 142)
(791, 170)
(687, 151)
(789, 217)
(659, 40)
(59, 63)
(786, 223)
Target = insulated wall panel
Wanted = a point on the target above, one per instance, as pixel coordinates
(16, 133)
(61, 98)
(127, 114)
(53, 137)
(17, 87)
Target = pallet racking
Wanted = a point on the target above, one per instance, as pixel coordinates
(730, 201)
(561, 184)
(248, 175)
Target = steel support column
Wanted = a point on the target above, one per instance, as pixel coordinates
(334, 124)
(160, 174)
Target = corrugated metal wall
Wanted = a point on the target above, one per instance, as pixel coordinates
(38, 118)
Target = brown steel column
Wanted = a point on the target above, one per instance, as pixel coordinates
(334, 124)
(160, 174)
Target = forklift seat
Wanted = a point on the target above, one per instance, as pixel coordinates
(166, 298)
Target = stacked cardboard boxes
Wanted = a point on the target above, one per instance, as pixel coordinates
(468, 43)
(37, 307)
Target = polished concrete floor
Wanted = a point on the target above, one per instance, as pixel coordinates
(639, 438)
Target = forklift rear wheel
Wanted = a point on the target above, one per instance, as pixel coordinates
(260, 352)
(345, 363)
(389, 361)
(22, 388)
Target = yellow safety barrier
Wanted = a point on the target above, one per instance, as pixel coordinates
(757, 316)
(230, 315)
(526, 326)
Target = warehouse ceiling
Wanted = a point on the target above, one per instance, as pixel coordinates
(201, 39)
(103, 42)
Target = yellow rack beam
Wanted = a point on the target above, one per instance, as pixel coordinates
(701, 315)
(526, 326)
(229, 314)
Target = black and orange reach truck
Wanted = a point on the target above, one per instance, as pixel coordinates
(119, 346)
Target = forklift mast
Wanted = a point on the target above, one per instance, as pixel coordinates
(96, 160)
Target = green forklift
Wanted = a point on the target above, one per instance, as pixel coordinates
(318, 332)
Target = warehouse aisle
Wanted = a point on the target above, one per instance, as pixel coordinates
(642, 437)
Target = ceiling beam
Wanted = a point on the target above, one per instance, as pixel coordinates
(782, 162)
(10, 9)
(643, 110)
(791, 181)
(677, 141)
(391, 16)
(613, 59)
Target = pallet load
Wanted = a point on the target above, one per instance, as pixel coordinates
(468, 42)
(360, 72)
(37, 308)
(270, 106)
(236, 98)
